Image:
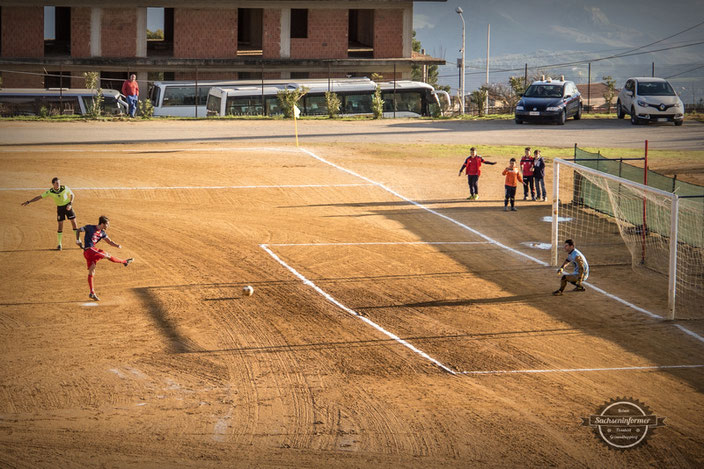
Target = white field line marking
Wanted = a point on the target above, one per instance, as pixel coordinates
(150, 188)
(687, 331)
(620, 300)
(421, 206)
(140, 150)
(354, 313)
(578, 370)
(382, 243)
(491, 240)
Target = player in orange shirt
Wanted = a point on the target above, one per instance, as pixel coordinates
(513, 177)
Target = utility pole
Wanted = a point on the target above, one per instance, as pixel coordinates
(653, 69)
(486, 101)
(459, 12)
(589, 87)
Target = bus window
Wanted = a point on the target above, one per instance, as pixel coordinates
(406, 101)
(358, 104)
(273, 107)
(154, 95)
(213, 106)
(18, 105)
(57, 105)
(185, 95)
(315, 106)
(244, 106)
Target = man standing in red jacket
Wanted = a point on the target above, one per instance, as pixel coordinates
(472, 166)
(527, 170)
(130, 88)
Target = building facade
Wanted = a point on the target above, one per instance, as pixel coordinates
(45, 44)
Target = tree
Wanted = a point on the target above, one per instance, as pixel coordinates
(478, 97)
(417, 70)
(158, 34)
(504, 92)
(609, 92)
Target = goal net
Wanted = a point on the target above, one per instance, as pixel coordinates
(614, 221)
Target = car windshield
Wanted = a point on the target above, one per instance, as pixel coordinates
(655, 88)
(544, 91)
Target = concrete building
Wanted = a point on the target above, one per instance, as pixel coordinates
(51, 44)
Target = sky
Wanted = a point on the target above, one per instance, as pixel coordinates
(546, 32)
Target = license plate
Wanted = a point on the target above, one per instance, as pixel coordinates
(662, 119)
(534, 113)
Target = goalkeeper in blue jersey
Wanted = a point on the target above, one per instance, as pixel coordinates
(579, 272)
(63, 197)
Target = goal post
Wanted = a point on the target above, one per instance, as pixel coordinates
(615, 221)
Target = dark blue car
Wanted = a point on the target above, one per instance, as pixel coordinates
(549, 100)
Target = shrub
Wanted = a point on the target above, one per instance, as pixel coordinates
(377, 103)
(333, 103)
(93, 82)
(289, 98)
(146, 109)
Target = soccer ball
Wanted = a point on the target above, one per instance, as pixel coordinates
(248, 291)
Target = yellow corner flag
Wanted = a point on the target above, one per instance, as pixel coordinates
(296, 115)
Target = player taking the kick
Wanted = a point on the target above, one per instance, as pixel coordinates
(93, 235)
(580, 272)
(63, 197)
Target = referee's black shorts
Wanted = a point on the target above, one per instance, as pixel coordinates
(62, 214)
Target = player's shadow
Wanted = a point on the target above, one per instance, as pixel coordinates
(177, 342)
(460, 302)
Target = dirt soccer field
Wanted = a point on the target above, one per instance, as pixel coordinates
(393, 324)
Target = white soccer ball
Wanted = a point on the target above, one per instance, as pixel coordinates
(248, 291)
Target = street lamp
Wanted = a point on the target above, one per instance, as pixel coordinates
(459, 12)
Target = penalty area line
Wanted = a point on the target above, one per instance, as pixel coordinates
(390, 243)
(153, 188)
(354, 313)
(578, 370)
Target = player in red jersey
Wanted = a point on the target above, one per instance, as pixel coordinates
(93, 235)
(472, 166)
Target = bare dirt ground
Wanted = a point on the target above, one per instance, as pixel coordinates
(420, 355)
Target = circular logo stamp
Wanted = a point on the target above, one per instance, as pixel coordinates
(623, 423)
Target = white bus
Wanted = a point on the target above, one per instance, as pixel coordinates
(412, 99)
(64, 101)
(183, 98)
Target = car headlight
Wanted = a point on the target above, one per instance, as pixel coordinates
(519, 108)
(642, 103)
(553, 108)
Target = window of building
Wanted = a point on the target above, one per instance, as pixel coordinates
(249, 31)
(249, 75)
(57, 79)
(113, 80)
(300, 75)
(160, 32)
(299, 23)
(361, 33)
(57, 31)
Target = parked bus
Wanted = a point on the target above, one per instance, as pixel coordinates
(30, 101)
(183, 98)
(412, 99)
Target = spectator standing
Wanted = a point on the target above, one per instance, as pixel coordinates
(539, 175)
(527, 170)
(513, 177)
(130, 88)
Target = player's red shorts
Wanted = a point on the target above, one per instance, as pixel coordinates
(93, 255)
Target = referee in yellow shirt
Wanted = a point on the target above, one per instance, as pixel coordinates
(63, 197)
